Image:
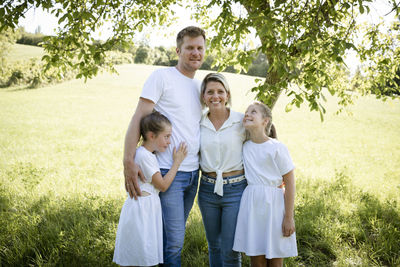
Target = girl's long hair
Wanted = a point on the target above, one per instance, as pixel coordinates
(270, 129)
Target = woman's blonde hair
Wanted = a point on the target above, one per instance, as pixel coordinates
(215, 77)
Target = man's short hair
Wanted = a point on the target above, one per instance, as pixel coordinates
(191, 31)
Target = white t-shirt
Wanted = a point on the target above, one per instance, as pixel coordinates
(178, 98)
(148, 164)
(265, 163)
(221, 151)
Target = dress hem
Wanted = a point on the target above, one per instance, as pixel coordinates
(136, 263)
(251, 254)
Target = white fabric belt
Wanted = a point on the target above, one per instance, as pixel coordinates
(224, 181)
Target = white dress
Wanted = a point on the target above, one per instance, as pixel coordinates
(262, 207)
(139, 239)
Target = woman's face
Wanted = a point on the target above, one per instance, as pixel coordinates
(215, 96)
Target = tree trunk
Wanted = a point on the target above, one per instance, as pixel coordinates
(272, 78)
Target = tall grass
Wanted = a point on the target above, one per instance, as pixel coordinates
(61, 186)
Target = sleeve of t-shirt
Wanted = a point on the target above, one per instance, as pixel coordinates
(148, 165)
(283, 159)
(153, 87)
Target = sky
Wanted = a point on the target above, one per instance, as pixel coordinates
(36, 17)
(49, 23)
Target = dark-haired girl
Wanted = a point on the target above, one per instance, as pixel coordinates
(139, 240)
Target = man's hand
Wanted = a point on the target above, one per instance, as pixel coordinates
(131, 172)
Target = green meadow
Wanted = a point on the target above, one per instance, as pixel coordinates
(61, 178)
(25, 52)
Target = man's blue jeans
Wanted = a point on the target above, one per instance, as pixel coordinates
(176, 204)
(219, 218)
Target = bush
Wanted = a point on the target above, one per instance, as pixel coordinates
(117, 57)
(31, 38)
(30, 73)
(142, 55)
(259, 70)
(16, 78)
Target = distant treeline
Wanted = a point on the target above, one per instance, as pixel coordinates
(27, 38)
(144, 54)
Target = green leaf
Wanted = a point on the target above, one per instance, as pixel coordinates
(46, 58)
(321, 116)
(289, 107)
(61, 20)
(88, 16)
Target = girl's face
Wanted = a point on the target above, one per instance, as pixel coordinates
(163, 139)
(253, 118)
(215, 96)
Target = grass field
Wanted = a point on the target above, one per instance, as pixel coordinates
(21, 52)
(61, 181)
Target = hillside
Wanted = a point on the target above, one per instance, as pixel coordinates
(25, 52)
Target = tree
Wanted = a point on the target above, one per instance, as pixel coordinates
(382, 51)
(357, 80)
(38, 30)
(74, 46)
(142, 55)
(7, 39)
(304, 41)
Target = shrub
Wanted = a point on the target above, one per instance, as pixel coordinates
(16, 78)
(142, 55)
(31, 38)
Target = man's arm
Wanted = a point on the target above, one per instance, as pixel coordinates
(131, 170)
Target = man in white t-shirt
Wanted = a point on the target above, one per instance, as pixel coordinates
(175, 93)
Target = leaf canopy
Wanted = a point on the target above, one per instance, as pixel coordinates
(305, 41)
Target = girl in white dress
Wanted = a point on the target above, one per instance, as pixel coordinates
(265, 228)
(139, 240)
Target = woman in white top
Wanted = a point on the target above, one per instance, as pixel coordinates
(222, 181)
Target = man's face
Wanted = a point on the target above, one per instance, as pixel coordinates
(191, 53)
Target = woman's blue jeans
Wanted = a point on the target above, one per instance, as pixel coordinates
(176, 204)
(219, 218)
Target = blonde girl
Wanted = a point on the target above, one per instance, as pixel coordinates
(265, 228)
